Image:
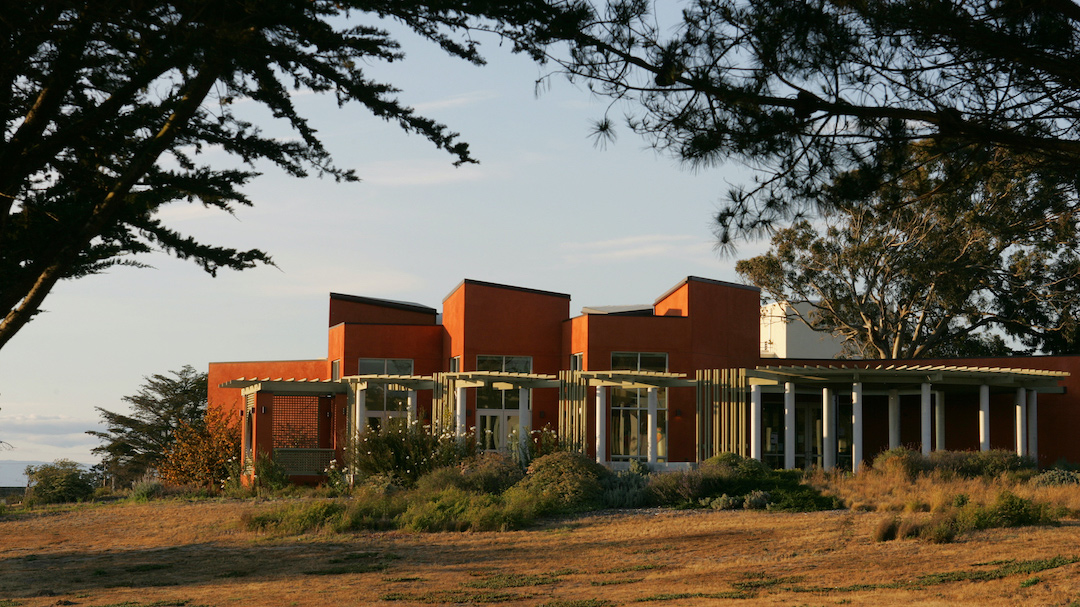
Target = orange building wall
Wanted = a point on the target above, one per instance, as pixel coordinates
(344, 310)
(485, 319)
(229, 399)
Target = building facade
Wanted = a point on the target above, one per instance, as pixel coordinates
(670, 383)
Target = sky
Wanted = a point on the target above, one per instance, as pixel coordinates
(544, 209)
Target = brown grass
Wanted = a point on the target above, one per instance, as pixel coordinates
(175, 552)
(892, 491)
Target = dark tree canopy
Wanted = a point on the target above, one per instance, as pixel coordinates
(107, 104)
(136, 443)
(825, 94)
(934, 264)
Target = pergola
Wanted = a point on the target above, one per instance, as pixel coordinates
(450, 396)
(894, 380)
(729, 401)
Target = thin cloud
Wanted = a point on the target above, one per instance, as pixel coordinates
(419, 173)
(646, 246)
(457, 101)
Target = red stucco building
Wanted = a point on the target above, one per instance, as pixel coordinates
(672, 382)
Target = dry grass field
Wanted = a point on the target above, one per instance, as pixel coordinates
(176, 552)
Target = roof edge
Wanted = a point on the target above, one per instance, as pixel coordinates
(495, 285)
(385, 303)
(710, 281)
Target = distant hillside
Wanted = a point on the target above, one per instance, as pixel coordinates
(11, 472)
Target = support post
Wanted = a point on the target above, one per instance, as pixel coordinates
(755, 422)
(856, 427)
(1021, 422)
(601, 424)
(525, 419)
(412, 407)
(459, 412)
(939, 421)
(654, 400)
(361, 412)
(984, 417)
(925, 419)
(789, 426)
(828, 429)
(894, 419)
(1033, 424)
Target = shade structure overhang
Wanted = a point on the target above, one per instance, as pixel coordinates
(391, 382)
(957, 376)
(304, 386)
(502, 380)
(637, 379)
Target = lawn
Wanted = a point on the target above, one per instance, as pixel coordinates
(180, 552)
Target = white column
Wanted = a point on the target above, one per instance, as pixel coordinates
(755, 422)
(1033, 424)
(412, 406)
(925, 419)
(939, 421)
(984, 417)
(361, 411)
(524, 418)
(1021, 422)
(654, 400)
(828, 429)
(789, 426)
(459, 412)
(601, 424)
(856, 427)
(894, 419)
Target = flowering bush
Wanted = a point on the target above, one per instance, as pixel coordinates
(406, 452)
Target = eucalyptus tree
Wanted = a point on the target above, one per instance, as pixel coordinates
(813, 92)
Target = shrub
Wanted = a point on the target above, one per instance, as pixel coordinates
(886, 529)
(297, 518)
(61, 481)
(730, 466)
(439, 479)
(800, 498)
(490, 473)
(678, 488)
(626, 489)
(974, 464)
(146, 490)
(756, 500)
(202, 454)
(901, 461)
(725, 502)
(908, 528)
(374, 509)
(269, 474)
(940, 530)
(1056, 478)
(565, 482)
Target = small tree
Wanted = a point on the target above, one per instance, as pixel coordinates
(61, 481)
(136, 443)
(202, 453)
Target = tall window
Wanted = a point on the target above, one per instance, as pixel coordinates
(380, 402)
(629, 409)
(497, 410)
(490, 398)
(577, 361)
